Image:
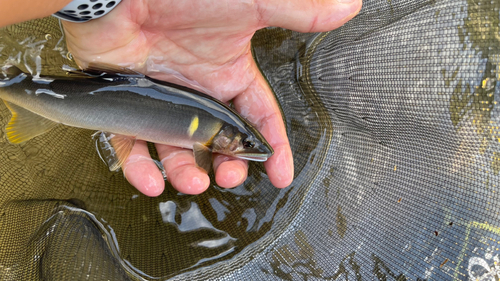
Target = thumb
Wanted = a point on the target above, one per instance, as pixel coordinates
(310, 15)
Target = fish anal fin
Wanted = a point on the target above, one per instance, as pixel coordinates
(25, 125)
(123, 146)
(202, 156)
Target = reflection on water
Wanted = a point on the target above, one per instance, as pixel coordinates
(288, 263)
(60, 180)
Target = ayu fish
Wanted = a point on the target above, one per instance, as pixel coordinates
(129, 106)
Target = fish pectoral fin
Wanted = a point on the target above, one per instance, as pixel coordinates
(122, 146)
(202, 156)
(25, 125)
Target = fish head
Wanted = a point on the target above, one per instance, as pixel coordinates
(246, 144)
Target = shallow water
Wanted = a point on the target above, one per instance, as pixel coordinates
(59, 178)
(409, 189)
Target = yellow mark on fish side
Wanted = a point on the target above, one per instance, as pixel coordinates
(485, 82)
(193, 126)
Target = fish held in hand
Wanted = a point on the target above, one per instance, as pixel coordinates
(129, 106)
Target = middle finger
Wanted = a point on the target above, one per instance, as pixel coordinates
(181, 169)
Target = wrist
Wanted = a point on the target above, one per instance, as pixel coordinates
(15, 11)
(85, 10)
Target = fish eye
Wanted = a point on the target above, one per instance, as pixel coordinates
(248, 144)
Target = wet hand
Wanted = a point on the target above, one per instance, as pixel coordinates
(208, 42)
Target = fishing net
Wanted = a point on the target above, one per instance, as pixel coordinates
(394, 125)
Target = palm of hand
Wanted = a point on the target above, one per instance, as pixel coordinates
(196, 42)
(208, 42)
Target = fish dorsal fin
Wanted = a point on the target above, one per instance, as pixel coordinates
(110, 69)
(104, 70)
(202, 156)
(25, 125)
(80, 74)
(10, 72)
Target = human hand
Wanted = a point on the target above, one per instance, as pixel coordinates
(208, 42)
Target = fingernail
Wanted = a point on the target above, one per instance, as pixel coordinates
(345, 1)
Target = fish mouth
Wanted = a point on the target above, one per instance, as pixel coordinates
(254, 157)
(258, 154)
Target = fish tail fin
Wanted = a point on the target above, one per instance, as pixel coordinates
(25, 125)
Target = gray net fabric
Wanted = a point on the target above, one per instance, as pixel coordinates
(394, 125)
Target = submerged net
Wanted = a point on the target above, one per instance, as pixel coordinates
(394, 125)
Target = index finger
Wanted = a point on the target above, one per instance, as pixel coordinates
(258, 104)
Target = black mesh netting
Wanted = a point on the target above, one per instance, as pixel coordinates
(394, 125)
